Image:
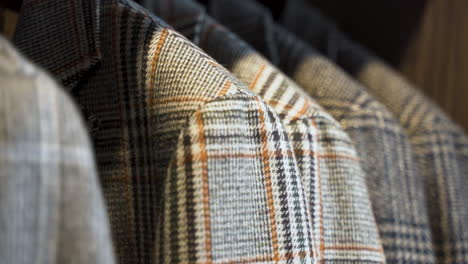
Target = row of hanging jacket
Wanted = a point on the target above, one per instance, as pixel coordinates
(175, 131)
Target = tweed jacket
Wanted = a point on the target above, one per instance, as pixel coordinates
(194, 167)
(51, 205)
(440, 147)
(396, 189)
(343, 224)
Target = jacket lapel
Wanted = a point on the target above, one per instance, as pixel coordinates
(62, 37)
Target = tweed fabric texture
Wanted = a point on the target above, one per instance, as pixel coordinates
(439, 145)
(51, 205)
(343, 224)
(441, 151)
(395, 186)
(195, 168)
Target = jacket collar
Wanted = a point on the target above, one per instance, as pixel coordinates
(250, 21)
(60, 36)
(322, 33)
(186, 16)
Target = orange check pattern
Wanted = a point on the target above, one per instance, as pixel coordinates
(334, 183)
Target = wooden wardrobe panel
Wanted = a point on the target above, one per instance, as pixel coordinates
(437, 57)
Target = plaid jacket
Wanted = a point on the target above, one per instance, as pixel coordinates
(195, 168)
(51, 205)
(343, 224)
(440, 146)
(396, 189)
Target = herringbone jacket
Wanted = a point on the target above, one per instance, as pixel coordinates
(343, 223)
(194, 167)
(440, 147)
(51, 204)
(396, 188)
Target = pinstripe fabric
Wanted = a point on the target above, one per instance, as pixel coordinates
(51, 205)
(440, 146)
(395, 187)
(195, 168)
(343, 224)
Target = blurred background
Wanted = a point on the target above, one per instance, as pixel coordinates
(426, 40)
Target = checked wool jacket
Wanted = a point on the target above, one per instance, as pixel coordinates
(440, 147)
(395, 185)
(334, 182)
(186, 153)
(51, 204)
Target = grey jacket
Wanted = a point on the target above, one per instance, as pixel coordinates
(395, 185)
(51, 205)
(440, 147)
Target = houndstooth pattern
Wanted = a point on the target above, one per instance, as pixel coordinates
(343, 224)
(396, 188)
(195, 168)
(51, 204)
(439, 146)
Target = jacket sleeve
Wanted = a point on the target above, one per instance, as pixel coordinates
(233, 193)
